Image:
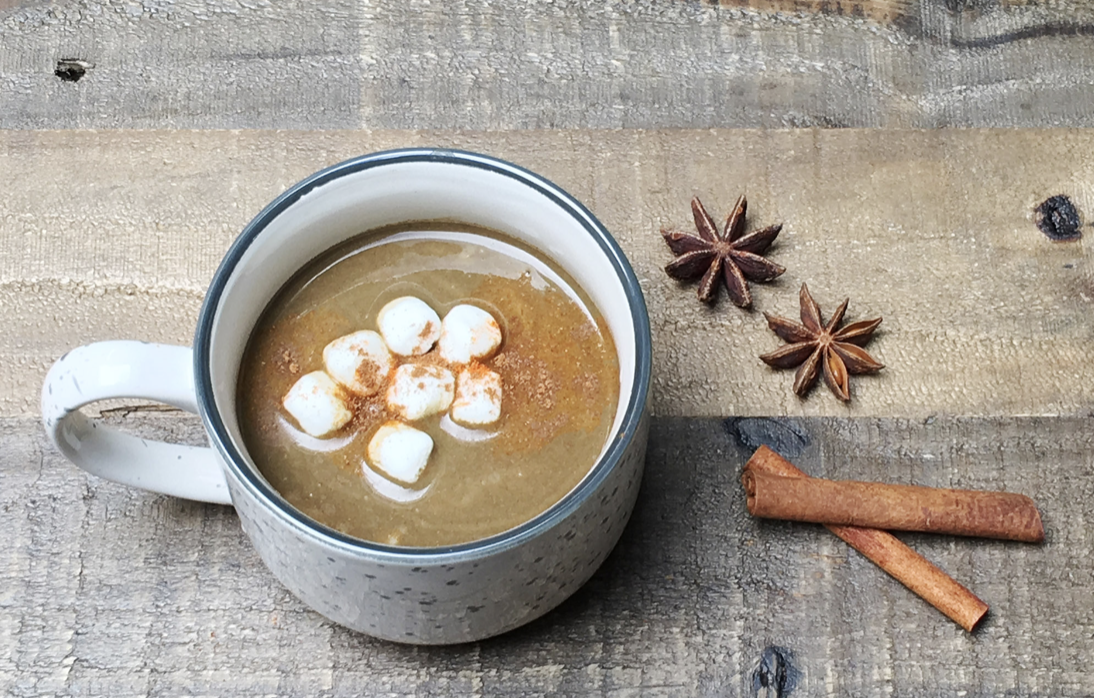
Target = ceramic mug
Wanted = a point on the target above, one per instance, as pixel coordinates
(448, 594)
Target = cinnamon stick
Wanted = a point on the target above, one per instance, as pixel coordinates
(1003, 515)
(898, 560)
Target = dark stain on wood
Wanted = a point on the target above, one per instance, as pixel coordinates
(970, 6)
(971, 24)
(1040, 31)
(881, 11)
(906, 17)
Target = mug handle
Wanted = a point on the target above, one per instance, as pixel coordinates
(125, 369)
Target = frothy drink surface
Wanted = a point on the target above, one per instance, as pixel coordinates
(558, 368)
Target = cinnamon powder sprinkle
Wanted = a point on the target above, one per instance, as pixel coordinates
(287, 362)
(552, 382)
(366, 375)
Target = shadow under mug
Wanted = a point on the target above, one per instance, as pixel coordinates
(449, 594)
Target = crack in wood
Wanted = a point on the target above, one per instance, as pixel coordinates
(126, 410)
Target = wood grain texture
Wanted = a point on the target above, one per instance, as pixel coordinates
(109, 591)
(490, 64)
(187, 64)
(115, 234)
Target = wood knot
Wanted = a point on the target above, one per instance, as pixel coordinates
(774, 676)
(1058, 219)
(785, 435)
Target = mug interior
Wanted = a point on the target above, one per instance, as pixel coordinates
(388, 188)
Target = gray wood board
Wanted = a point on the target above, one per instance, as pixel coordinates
(489, 64)
(109, 591)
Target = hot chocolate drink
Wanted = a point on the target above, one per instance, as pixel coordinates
(428, 384)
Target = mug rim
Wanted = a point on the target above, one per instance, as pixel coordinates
(621, 439)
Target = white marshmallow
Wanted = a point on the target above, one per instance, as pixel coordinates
(409, 326)
(418, 391)
(399, 451)
(359, 361)
(315, 403)
(478, 396)
(468, 333)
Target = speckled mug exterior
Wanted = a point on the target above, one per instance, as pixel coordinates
(456, 593)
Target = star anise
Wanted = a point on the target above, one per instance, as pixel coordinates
(814, 344)
(727, 256)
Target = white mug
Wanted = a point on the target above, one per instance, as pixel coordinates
(448, 594)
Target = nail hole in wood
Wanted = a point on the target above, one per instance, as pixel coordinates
(71, 69)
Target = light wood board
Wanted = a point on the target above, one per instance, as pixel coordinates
(115, 234)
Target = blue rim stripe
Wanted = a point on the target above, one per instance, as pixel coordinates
(561, 509)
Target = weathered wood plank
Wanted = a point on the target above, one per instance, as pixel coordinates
(110, 591)
(181, 64)
(115, 234)
(488, 64)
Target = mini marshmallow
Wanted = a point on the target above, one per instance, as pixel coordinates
(418, 390)
(468, 333)
(399, 451)
(359, 361)
(478, 396)
(409, 326)
(315, 403)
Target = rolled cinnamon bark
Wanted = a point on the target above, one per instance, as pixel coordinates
(1001, 515)
(898, 560)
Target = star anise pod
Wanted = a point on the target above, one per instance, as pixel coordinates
(816, 345)
(725, 256)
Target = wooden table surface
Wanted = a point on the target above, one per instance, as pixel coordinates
(905, 145)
